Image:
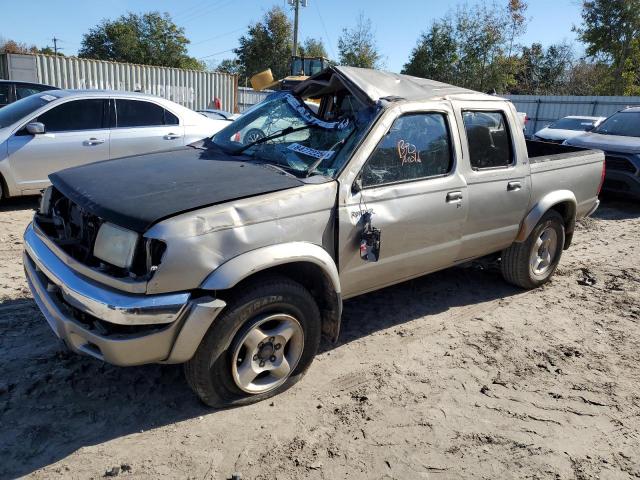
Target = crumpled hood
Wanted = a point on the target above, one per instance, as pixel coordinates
(608, 143)
(136, 192)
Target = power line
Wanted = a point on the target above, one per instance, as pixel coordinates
(217, 53)
(326, 34)
(218, 36)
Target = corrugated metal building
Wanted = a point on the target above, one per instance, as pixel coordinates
(191, 88)
(247, 97)
(545, 109)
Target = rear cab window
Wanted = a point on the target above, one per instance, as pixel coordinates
(417, 146)
(489, 139)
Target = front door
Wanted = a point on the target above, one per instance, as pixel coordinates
(416, 197)
(497, 174)
(76, 134)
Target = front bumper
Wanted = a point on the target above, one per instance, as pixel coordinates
(117, 327)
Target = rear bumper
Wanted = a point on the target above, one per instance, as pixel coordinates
(119, 328)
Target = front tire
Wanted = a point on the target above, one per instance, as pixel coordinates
(261, 345)
(533, 262)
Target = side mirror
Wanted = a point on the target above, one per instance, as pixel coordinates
(36, 128)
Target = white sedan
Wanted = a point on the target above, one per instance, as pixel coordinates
(57, 129)
(567, 127)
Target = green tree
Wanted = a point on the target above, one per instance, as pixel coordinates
(611, 31)
(11, 46)
(544, 71)
(149, 39)
(229, 65)
(267, 44)
(435, 56)
(357, 46)
(313, 47)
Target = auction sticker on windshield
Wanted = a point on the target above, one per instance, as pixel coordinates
(311, 152)
(48, 98)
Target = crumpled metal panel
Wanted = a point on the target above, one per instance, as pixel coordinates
(200, 241)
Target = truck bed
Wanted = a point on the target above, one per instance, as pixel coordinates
(547, 151)
(557, 167)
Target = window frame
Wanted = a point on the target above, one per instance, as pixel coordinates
(104, 125)
(114, 121)
(452, 151)
(507, 124)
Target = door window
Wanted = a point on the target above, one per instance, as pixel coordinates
(5, 88)
(417, 146)
(136, 113)
(489, 139)
(74, 115)
(23, 91)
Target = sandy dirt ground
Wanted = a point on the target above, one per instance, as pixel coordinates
(455, 375)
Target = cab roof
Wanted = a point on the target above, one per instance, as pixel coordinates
(378, 85)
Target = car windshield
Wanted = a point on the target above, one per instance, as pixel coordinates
(579, 124)
(18, 110)
(626, 124)
(284, 131)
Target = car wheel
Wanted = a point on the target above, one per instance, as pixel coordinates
(253, 135)
(261, 344)
(533, 262)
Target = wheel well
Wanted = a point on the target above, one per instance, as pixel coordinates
(4, 190)
(568, 212)
(319, 284)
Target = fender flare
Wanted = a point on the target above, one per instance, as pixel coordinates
(543, 206)
(233, 271)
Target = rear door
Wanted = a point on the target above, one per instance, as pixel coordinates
(497, 174)
(143, 126)
(76, 133)
(407, 169)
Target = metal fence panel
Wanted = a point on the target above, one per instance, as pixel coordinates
(545, 109)
(247, 97)
(191, 88)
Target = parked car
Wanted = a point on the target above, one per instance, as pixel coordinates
(567, 127)
(234, 258)
(218, 114)
(619, 137)
(13, 90)
(57, 129)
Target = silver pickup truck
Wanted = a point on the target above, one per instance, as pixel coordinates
(234, 255)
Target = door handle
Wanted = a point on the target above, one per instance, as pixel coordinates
(513, 186)
(94, 141)
(171, 136)
(453, 197)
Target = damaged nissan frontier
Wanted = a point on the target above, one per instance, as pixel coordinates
(234, 255)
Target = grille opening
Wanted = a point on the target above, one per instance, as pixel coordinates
(74, 230)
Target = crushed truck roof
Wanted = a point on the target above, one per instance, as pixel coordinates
(378, 84)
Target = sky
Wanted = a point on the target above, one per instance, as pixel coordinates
(214, 26)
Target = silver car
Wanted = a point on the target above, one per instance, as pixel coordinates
(58, 129)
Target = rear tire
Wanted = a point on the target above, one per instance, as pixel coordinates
(261, 345)
(533, 262)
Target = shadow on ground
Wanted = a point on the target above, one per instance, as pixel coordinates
(19, 203)
(53, 402)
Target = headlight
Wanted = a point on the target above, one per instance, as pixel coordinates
(115, 245)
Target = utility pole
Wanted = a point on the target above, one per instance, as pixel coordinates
(296, 8)
(55, 45)
(295, 27)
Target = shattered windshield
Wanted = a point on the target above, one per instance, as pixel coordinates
(286, 131)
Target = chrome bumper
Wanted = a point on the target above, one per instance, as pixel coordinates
(171, 325)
